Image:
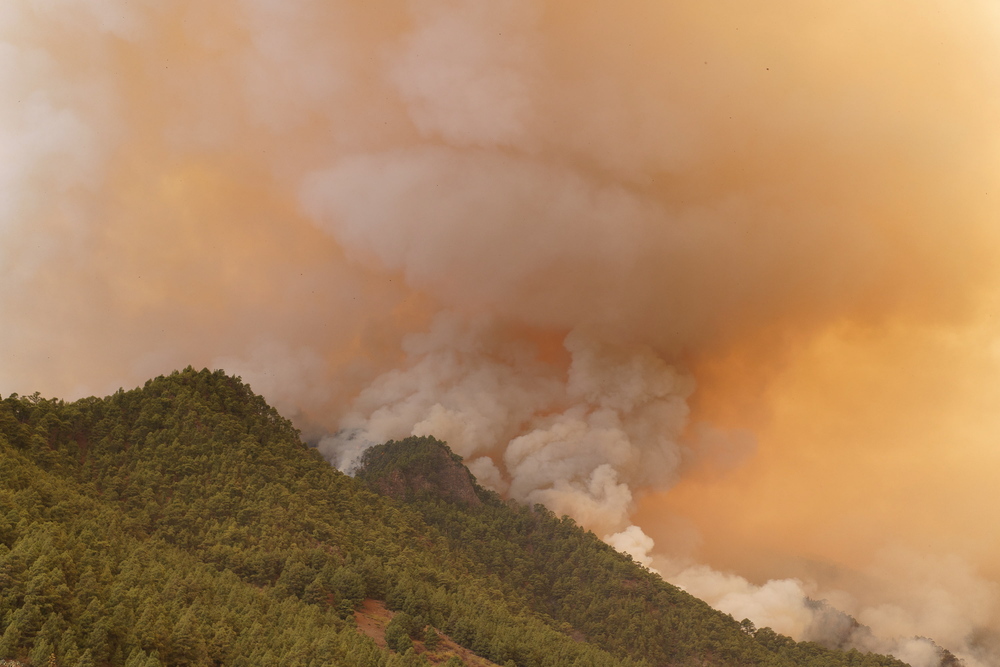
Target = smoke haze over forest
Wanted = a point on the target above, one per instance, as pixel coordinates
(720, 281)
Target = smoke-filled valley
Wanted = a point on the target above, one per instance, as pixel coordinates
(718, 281)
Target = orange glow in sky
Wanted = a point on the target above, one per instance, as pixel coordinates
(722, 275)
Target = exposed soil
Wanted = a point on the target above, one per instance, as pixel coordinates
(371, 620)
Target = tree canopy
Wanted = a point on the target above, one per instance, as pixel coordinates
(186, 523)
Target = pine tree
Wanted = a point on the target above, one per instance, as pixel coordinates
(432, 640)
(86, 659)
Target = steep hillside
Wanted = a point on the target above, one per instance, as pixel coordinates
(185, 523)
(552, 566)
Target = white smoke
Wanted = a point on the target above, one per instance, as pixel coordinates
(576, 442)
(943, 603)
(635, 543)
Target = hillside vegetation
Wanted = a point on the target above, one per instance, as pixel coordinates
(185, 523)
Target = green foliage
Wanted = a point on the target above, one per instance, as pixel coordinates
(419, 467)
(584, 587)
(397, 635)
(432, 640)
(185, 523)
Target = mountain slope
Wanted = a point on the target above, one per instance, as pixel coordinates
(185, 523)
(554, 567)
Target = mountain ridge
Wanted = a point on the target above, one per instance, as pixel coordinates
(186, 523)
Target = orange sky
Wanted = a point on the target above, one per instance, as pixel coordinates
(866, 439)
(725, 273)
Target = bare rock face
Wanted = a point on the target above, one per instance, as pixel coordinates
(419, 467)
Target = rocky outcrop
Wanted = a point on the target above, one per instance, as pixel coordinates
(419, 467)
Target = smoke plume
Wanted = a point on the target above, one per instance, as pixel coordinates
(718, 281)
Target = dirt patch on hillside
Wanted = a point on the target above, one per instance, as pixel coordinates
(372, 619)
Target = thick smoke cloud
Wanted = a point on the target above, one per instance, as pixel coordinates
(715, 280)
(912, 622)
(577, 442)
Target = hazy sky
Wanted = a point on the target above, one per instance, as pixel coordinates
(719, 279)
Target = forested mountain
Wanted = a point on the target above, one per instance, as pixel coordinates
(185, 523)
